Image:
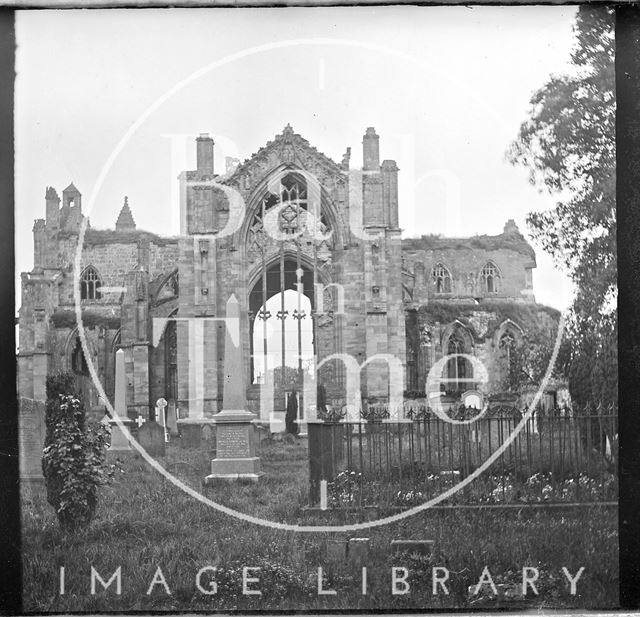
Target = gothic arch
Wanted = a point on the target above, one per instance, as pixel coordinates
(169, 282)
(441, 278)
(459, 329)
(508, 326)
(116, 340)
(70, 345)
(255, 270)
(457, 339)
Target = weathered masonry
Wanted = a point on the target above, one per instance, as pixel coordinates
(310, 225)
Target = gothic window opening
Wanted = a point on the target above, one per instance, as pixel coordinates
(442, 279)
(293, 216)
(491, 277)
(282, 342)
(170, 289)
(90, 284)
(459, 369)
(78, 360)
(507, 355)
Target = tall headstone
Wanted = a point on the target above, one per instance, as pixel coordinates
(31, 426)
(235, 432)
(119, 440)
(172, 418)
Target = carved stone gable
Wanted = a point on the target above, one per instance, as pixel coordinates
(286, 148)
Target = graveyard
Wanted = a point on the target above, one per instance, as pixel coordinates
(221, 512)
(143, 522)
(533, 530)
(151, 546)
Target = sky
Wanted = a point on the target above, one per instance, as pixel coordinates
(113, 99)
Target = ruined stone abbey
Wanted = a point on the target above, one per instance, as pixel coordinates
(314, 254)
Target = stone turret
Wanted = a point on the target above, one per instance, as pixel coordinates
(71, 197)
(510, 227)
(52, 209)
(71, 212)
(204, 154)
(371, 150)
(390, 192)
(373, 212)
(125, 220)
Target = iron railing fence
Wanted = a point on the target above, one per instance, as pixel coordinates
(553, 459)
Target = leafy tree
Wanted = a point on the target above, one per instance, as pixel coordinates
(529, 360)
(568, 145)
(73, 459)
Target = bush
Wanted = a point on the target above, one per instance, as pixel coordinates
(73, 461)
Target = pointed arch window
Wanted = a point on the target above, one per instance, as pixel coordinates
(78, 360)
(459, 369)
(507, 347)
(90, 284)
(441, 279)
(293, 216)
(490, 276)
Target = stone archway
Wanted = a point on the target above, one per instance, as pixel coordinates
(281, 328)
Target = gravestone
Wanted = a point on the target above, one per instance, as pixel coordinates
(235, 433)
(337, 549)
(161, 404)
(151, 438)
(31, 427)
(161, 418)
(208, 436)
(120, 444)
(190, 435)
(172, 418)
(358, 551)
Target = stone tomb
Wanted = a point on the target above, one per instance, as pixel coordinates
(172, 418)
(235, 448)
(151, 438)
(31, 426)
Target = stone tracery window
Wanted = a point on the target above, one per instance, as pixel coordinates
(293, 216)
(90, 283)
(441, 279)
(459, 369)
(490, 276)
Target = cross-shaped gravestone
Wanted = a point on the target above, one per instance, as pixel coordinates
(161, 403)
(140, 421)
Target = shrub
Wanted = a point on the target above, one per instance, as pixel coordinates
(73, 461)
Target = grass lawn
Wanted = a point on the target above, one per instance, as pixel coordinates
(143, 522)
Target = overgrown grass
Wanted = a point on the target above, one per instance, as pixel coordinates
(144, 522)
